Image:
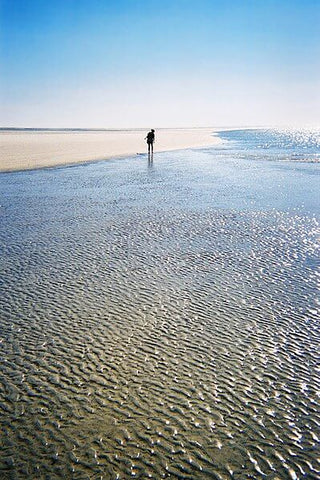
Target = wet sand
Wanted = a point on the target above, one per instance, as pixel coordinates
(23, 150)
(160, 320)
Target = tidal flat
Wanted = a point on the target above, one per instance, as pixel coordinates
(161, 319)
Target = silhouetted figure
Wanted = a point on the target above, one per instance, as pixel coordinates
(150, 141)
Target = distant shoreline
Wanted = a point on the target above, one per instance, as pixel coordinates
(30, 148)
(78, 129)
(34, 129)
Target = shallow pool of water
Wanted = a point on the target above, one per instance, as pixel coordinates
(160, 320)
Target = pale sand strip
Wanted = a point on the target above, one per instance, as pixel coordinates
(22, 150)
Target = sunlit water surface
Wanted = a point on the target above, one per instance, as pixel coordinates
(161, 320)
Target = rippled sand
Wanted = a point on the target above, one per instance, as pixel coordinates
(159, 322)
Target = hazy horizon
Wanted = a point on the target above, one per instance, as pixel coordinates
(163, 127)
(179, 64)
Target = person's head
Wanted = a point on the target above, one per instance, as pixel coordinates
(152, 130)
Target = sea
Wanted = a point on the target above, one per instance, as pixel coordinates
(160, 317)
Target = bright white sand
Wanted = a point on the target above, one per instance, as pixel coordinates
(20, 150)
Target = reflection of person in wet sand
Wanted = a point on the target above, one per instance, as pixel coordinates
(150, 141)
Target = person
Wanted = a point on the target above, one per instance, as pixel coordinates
(150, 141)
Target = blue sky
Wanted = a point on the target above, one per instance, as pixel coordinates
(126, 63)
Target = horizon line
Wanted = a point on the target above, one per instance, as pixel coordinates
(115, 129)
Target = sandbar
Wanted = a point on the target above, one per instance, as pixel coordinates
(31, 149)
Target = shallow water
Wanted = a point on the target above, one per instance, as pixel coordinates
(161, 321)
(273, 143)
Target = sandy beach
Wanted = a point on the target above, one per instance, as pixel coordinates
(153, 313)
(23, 150)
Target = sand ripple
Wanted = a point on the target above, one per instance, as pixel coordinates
(144, 343)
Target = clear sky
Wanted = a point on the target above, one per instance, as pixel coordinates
(129, 63)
